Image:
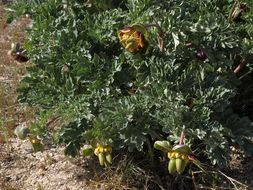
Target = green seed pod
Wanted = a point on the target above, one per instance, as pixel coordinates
(101, 158)
(21, 132)
(163, 146)
(180, 165)
(108, 158)
(172, 166)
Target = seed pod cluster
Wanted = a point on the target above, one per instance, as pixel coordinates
(177, 162)
(104, 154)
(179, 158)
(25, 133)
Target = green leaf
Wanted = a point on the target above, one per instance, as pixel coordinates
(164, 146)
(176, 39)
(87, 151)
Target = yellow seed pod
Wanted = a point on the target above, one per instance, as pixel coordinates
(108, 158)
(180, 165)
(101, 158)
(172, 166)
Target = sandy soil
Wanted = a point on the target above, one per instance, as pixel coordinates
(21, 168)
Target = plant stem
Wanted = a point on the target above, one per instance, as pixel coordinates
(232, 10)
(160, 35)
(181, 140)
(240, 66)
(150, 152)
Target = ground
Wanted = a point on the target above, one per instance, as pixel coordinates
(20, 167)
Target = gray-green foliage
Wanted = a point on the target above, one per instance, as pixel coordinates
(81, 74)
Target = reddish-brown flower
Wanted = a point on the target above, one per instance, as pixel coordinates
(132, 39)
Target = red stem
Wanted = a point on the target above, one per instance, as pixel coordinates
(181, 140)
(240, 66)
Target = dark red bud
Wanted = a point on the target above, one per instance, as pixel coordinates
(201, 55)
(243, 7)
(237, 13)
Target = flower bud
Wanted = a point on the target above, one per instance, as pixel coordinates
(132, 38)
(237, 12)
(201, 55)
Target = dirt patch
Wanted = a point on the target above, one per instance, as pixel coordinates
(21, 168)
